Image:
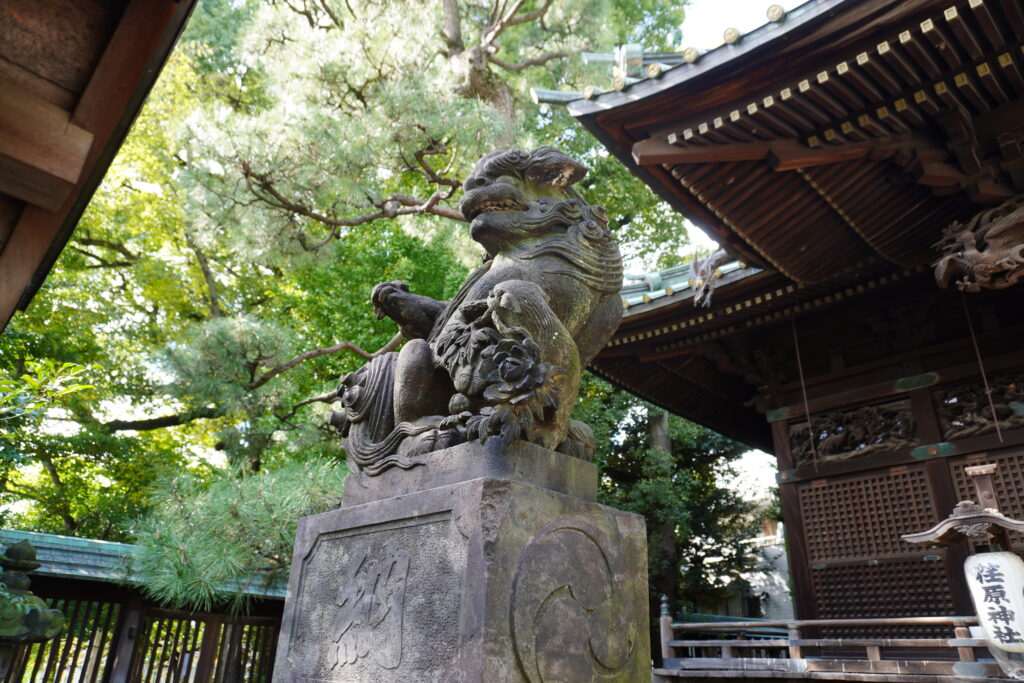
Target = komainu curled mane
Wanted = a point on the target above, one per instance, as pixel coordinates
(502, 359)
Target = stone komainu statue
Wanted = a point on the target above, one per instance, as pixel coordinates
(502, 359)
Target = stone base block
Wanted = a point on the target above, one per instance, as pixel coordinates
(490, 580)
(522, 461)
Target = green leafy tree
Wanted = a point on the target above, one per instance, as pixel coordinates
(669, 470)
(292, 155)
(44, 382)
(41, 463)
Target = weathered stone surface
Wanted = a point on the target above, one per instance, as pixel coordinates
(24, 617)
(482, 580)
(468, 547)
(523, 461)
(501, 361)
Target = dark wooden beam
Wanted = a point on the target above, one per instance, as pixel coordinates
(782, 155)
(792, 157)
(119, 84)
(936, 173)
(41, 151)
(655, 152)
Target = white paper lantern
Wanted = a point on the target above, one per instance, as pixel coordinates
(996, 581)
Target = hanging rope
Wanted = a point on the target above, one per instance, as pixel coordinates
(981, 367)
(803, 389)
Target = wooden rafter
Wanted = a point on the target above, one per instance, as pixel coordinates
(41, 152)
(115, 92)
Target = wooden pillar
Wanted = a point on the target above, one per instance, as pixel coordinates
(665, 629)
(8, 654)
(803, 586)
(127, 635)
(944, 496)
(208, 650)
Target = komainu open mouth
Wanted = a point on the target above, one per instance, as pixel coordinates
(500, 206)
(491, 199)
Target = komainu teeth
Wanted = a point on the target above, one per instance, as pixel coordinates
(499, 206)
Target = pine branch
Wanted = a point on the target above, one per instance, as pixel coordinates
(513, 18)
(263, 189)
(431, 172)
(526, 63)
(211, 282)
(497, 11)
(342, 346)
(185, 417)
(322, 398)
(326, 7)
(147, 424)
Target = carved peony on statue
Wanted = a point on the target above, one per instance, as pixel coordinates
(502, 359)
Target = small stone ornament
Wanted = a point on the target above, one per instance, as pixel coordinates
(24, 617)
(501, 360)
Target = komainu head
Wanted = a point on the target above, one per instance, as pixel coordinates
(526, 199)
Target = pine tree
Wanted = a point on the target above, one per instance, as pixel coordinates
(292, 155)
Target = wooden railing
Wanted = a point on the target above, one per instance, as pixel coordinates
(762, 649)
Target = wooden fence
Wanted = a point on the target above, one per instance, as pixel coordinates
(79, 654)
(748, 650)
(122, 641)
(113, 634)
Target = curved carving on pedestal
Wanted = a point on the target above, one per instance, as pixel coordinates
(570, 618)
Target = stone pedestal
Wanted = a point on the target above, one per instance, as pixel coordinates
(494, 577)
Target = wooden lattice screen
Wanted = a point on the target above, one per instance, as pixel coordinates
(886, 589)
(859, 566)
(176, 647)
(862, 516)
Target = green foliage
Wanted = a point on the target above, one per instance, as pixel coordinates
(291, 156)
(46, 460)
(211, 538)
(696, 528)
(45, 381)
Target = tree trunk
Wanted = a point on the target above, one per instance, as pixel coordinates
(661, 545)
(480, 82)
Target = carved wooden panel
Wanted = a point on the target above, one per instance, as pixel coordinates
(863, 516)
(843, 434)
(963, 410)
(1008, 481)
(894, 588)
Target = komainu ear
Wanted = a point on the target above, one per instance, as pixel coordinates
(548, 166)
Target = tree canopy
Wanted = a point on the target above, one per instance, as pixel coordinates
(293, 154)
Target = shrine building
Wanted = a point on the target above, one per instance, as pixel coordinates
(862, 166)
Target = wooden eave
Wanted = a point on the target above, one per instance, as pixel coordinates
(682, 357)
(851, 133)
(73, 77)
